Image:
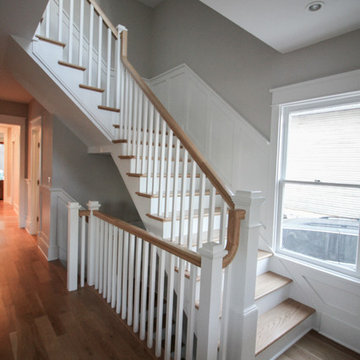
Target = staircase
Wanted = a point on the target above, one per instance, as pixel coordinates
(165, 282)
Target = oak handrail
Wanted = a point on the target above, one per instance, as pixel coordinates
(177, 250)
(174, 126)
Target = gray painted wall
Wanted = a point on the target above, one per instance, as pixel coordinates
(237, 65)
(138, 20)
(89, 177)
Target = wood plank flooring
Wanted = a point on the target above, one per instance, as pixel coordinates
(39, 319)
(314, 346)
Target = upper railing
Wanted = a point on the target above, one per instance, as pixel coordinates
(198, 204)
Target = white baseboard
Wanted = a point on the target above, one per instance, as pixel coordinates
(50, 252)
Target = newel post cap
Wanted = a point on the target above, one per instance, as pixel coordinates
(73, 205)
(121, 28)
(212, 251)
(93, 205)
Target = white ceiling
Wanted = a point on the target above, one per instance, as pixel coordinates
(287, 25)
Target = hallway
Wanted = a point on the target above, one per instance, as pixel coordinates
(39, 319)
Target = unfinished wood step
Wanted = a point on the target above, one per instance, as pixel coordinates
(269, 282)
(91, 88)
(51, 41)
(156, 196)
(73, 66)
(127, 157)
(279, 321)
(109, 108)
(196, 215)
(138, 175)
(263, 255)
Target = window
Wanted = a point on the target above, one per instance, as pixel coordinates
(319, 183)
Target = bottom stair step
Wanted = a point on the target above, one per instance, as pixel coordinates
(280, 320)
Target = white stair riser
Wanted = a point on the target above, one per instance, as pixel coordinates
(143, 187)
(273, 299)
(262, 266)
(154, 203)
(165, 227)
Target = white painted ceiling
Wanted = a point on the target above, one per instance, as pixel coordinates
(151, 3)
(287, 25)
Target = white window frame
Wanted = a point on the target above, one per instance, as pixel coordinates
(333, 91)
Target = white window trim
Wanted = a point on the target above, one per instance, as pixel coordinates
(317, 93)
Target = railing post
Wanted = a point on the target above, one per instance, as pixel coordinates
(210, 299)
(239, 318)
(72, 246)
(92, 206)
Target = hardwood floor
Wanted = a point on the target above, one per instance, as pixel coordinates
(39, 319)
(314, 346)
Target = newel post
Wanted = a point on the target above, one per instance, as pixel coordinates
(72, 245)
(92, 206)
(210, 300)
(240, 312)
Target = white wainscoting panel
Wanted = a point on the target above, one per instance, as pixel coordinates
(237, 151)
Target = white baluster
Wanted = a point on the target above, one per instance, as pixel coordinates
(100, 252)
(162, 169)
(191, 206)
(131, 280)
(168, 173)
(130, 109)
(223, 222)
(122, 99)
(175, 189)
(150, 332)
(137, 283)
(47, 21)
(109, 262)
(211, 214)
(71, 28)
(114, 264)
(60, 24)
(156, 151)
(138, 139)
(119, 271)
(90, 49)
(160, 303)
(201, 211)
(135, 121)
(145, 162)
(150, 141)
(100, 27)
(183, 196)
(169, 307)
(144, 284)
(179, 311)
(109, 35)
(105, 261)
(98, 242)
(125, 275)
(81, 32)
(83, 246)
(191, 314)
(124, 111)
(92, 206)
(72, 245)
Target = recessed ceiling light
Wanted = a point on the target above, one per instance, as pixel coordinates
(315, 6)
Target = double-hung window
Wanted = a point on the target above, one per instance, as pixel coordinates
(319, 183)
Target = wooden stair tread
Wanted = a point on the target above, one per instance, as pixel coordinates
(108, 108)
(73, 66)
(156, 196)
(158, 175)
(278, 321)
(263, 254)
(92, 88)
(166, 219)
(268, 282)
(120, 141)
(51, 41)
(126, 157)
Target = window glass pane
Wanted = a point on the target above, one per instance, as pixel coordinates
(321, 222)
(324, 147)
